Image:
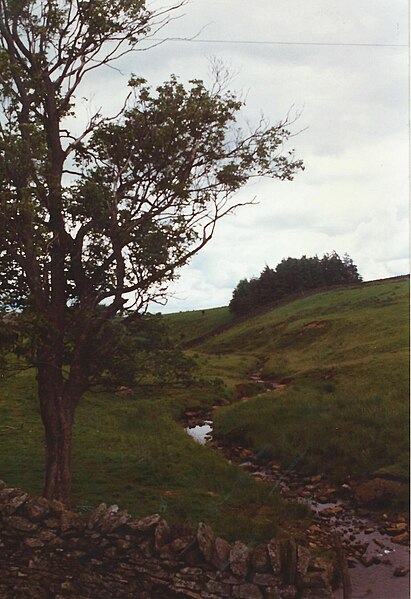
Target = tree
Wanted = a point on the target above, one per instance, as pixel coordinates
(97, 221)
(242, 300)
(337, 270)
(292, 275)
(134, 350)
(351, 274)
(267, 286)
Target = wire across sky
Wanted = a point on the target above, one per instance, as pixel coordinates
(278, 43)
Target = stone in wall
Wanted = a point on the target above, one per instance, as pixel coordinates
(48, 551)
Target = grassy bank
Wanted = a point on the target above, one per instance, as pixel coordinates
(186, 326)
(344, 356)
(131, 451)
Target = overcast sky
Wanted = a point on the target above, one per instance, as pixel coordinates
(344, 66)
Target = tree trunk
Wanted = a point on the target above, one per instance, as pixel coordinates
(57, 413)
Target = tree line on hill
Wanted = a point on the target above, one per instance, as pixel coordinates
(292, 275)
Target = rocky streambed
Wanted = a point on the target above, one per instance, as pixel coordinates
(375, 545)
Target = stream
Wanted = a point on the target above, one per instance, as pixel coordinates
(378, 561)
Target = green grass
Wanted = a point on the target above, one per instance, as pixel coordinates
(344, 355)
(21, 434)
(231, 368)
(186, 326)
(344, 411)
(131, 451)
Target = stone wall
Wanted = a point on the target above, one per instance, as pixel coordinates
(48, 552)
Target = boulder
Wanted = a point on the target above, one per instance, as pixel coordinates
(378, 492)
(331, 511)
(11, 500)
(161, 535)
(146, 524)
(367, 560)
(107, 519)
(181, 545)
(265, 580)
(401, 539)
(247, 591)
(205, 539)
(72, 521)
(221, 553)
(57, 507)
(37, 508)
(303, 561)
(401, 571)
(20, 524)
(315, 580)
(124, 391)
(52, 523)
(33, 542)
(280, 592)
(46, 536)
(239, 559)
(274, 553)
(259, 558)
(220, 589)
(325, 567)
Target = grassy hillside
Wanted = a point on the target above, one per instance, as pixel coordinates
(344, 410)
(344, 356)
(186, 326)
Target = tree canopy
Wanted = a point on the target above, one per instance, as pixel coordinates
(97, 220)
(292, 275)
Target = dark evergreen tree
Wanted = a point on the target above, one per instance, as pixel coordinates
(243, 298)
(293, 275)
(351, 273)
(267, 286)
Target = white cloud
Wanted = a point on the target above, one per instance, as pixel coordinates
(353, 195)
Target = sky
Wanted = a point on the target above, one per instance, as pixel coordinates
(343, 68)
